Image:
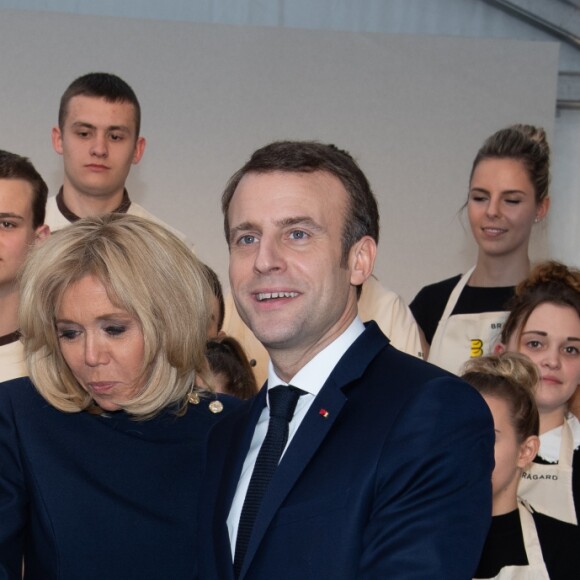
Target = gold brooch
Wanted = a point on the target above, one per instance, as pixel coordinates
(216, 407)
(193, 398)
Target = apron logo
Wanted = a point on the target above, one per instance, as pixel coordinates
(526, 475)
(476, 347)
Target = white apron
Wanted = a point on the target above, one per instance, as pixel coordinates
(463, 336)
(548, 488)
(536, 568)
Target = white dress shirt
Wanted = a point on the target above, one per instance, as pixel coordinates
(551, 441)
(12, 362)
(310, 379)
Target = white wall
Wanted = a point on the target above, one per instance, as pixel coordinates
(412, 110)
(564, 218)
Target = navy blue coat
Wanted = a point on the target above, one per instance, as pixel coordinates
(395, 482)
(93, 497)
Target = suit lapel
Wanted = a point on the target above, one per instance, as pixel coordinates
(313, 430)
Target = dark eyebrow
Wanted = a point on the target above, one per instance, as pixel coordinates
(243, 227)
(78, 124)
(84, 125)
(11, 215)
(542, 333)
(300, 220)
(508, 191)
(286, 222)
(119, 128)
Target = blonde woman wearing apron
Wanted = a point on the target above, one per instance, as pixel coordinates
(508, 193)
(520, 544)
(544, 324)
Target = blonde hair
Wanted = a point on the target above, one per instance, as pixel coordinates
(511, 377)
(148, 272)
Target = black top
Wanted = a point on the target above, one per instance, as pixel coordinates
(560, 543)
(429, 304)
(504, 546)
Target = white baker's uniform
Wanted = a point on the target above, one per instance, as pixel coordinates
(12, 363)
(463, 336)
(56, 221)
(548, 488)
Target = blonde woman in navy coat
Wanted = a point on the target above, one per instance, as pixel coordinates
(101, 450)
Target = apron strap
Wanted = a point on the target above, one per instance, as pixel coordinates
(456, 293)
(531, 540)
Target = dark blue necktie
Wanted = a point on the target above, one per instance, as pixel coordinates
(282, 405)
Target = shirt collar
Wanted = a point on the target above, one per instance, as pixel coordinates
(9, 338)
(313, 375)
(72, 217)
(551, 441)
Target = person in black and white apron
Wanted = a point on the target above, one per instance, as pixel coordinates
(508, 193)
(544, 324)
(521, 544)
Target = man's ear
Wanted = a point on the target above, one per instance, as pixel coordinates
(41, 233)
(139, 150)
(56, 138)
(362, 260)
(528, 450)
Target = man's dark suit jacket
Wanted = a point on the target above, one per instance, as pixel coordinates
(395, 482)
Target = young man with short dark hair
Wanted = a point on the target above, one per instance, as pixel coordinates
(98, 137)
(22, 210)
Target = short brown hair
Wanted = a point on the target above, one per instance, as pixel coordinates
(362, 217)
(225, 356)
(13, 166)
(218, 292)
(101, 85)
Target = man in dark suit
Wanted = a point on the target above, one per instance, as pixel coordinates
(386, 472)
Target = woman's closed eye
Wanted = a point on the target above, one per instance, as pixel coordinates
(115, 329)
(68, 333)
